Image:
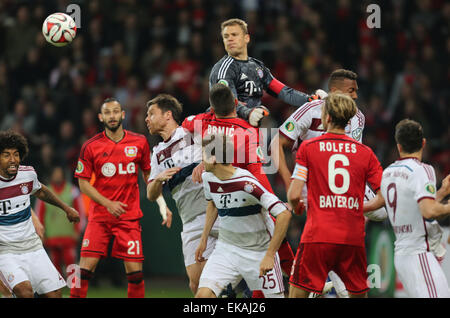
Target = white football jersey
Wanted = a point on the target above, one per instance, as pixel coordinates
(243, 206)
(306, 123)
(180, 151)
(405, 182)
(17, 232)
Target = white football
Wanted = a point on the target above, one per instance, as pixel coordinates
(59, 29)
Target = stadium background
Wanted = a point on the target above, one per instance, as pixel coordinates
(133, 50)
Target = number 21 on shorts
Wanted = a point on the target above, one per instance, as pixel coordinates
(134, 248)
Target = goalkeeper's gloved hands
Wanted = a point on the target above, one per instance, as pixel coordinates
(318, 94)
(257, 114)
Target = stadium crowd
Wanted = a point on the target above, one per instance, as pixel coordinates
(133, 50)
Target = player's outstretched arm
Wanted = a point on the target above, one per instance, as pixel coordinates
(211, 217)
(294, 195)
(277, 146)
(444, 189)
(38, 226)
(279, 233)
(154, 187)
(46, 195)
(373, 204)
(430, 208)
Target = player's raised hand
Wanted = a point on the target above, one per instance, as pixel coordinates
(167, 174)
(72, 215)
(197, 173)
(446, 184)
(257, 114)
(116, 208)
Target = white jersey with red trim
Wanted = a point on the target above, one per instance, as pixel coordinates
(306, 123)
(181, 151)
(243, 206)
(405, 182)
(17, 232)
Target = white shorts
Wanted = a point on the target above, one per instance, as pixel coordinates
(190, 238)
(35, 267)
(422, 276)
(230, 264)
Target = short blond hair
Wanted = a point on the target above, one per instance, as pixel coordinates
(341, 108)
(234, 21)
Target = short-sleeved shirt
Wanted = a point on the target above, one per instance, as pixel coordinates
(405, 183)
(180, 151)
(336, 169)
(239, 201)
(247, 150)
(17, 232)
(116, 167)
(306, 123)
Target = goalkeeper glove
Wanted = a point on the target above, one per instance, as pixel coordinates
(257, 114)
(318, 94)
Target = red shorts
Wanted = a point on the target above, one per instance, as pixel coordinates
(313, 261)
(127, 243)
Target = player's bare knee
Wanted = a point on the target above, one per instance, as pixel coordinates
(193, 285)
(204, 292)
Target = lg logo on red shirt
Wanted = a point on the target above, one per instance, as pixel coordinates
(109, 169)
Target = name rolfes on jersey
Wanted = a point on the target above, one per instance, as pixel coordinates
(338, 201)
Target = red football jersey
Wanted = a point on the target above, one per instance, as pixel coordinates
(247, 150)
(115, 166)
(336, 168)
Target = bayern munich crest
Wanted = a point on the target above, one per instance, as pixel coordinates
(24, 188)
(260, 72)
(249, 187)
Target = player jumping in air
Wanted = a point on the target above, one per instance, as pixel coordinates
(248, 241)
(248, 77)
(335, 168)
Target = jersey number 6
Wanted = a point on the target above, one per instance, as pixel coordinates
(333, 172)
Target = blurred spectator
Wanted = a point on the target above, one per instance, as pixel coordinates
(61, 237)
(19, 35)
(20, 120)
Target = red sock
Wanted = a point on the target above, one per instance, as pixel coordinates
(136, 286)
(286, 257)
(81, 291)
(258, 294)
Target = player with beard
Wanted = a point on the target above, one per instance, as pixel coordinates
(113, 156)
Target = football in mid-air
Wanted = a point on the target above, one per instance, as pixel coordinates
(59, 29)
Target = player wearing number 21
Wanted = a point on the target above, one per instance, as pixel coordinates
(408, 187)
(335, 168)
(114, 157)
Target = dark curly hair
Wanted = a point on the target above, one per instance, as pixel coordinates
(11, 139)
